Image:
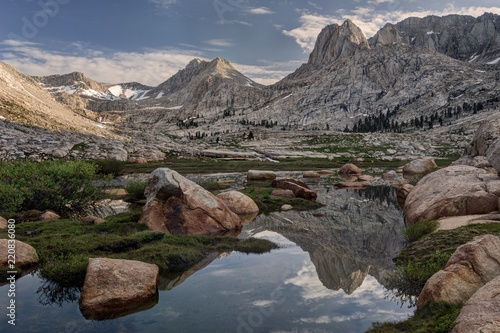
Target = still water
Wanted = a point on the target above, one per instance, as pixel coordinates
(327, 276)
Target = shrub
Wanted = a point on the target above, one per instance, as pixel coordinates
(135, 189)
(57, 185)
(110, 167)
(409, 280)
(418, 230)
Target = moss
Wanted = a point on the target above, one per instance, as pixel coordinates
(65, 246)
(268, 203)
(436, 317)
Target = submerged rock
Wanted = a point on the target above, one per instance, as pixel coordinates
(179, 206)
(115, 287)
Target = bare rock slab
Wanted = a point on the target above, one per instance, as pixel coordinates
(260, 175)
(481, 313)
(179, 206)
(26, 254)
(115, 287)
(471, 267)
(453, 191)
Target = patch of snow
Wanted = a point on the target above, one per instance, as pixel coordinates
(431, 32)
(479, 71)
(160, 95)
(288, 96)
(474, 57)
(494, 62)
(115, 90)
(178, 108)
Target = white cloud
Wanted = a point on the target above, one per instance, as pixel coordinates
(220, 42)
(163, 3)
(149, 67)
(260, 11)
(311, 26)
(369, 19)
(269, 72)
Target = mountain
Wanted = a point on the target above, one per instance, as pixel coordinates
(346, 82)
(461, 37)
(421, 72)
(336, 41)
(74, 84)
(132, 90)
(23, 101)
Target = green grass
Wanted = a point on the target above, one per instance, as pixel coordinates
(204, 166)
(429, 254)
(64, 246)
(268, 203)
(434, 318)
(418, 230)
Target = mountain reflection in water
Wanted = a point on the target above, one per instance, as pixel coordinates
(357, 233)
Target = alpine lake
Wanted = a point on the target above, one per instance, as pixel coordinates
(327, 275)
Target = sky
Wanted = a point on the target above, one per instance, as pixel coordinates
(148, 41)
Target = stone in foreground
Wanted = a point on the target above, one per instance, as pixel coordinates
(453, 191)
(471, 266)
(481, 313)
(179, 206)
(115, 287)
(26, 254)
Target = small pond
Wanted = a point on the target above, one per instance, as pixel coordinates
(327, 276)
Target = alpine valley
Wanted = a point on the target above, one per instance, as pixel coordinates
(435, 74)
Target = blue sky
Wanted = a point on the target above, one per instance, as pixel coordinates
(150, 40)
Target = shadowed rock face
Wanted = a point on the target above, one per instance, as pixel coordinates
(357, 233)
(336, 41)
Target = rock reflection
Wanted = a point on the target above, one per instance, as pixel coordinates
(357, 233)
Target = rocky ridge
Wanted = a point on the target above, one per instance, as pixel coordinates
(461, 37)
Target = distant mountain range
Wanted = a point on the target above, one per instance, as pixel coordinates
(418, 72)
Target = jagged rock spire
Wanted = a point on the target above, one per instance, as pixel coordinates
(336, 41)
